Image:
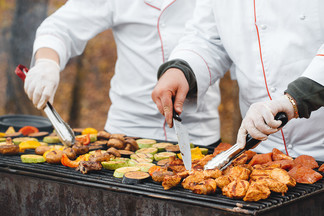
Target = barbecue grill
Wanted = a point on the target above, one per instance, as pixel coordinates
(88, 192)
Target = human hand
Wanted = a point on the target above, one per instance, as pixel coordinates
(259, 121)
(172, 83)
(42, 81)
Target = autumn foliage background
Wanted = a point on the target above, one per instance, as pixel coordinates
(82, 98)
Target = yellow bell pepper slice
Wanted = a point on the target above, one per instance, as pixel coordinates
(30, 144)
(195, 154)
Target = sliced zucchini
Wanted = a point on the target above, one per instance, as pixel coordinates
(2, 139)
(51, 139)
(133, 162)
(163, 155)
(113, 165)
(19, 140)
(161, 146)
(144, 167)
(120, 159)
(141, 155)
(134, 177)
(145, 143)
(192, 145)
(93, 137)
(151, 150)
(119, 173)
(204, 151)
(163, 162)
(31, 158)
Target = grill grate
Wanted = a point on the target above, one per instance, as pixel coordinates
(106, 179)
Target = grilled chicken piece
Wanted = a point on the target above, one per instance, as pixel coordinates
(170, 181)
(257, 191)
(261, 159)
(159, 175)
(282, 176)
(223, 181)
(183, 174)
(304, 175)
(239, 172)
(207, 186)
(236, 189)
(79, 149)
(274, 185)
(70, 153)
(221, 147)
(87, 166)
(176, 165)
(192, 179)
(205, 160)
(242, 159)
(260, 172)
(278, 155)
(212, 173)
(306, 161)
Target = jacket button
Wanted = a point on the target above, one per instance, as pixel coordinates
(289, 146)
(302, 17)
(273, 89)
(263, 27)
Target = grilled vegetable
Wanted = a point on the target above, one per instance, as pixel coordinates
(145, 143)
(73, 164)
(163, 162)
(28, 130)
(141, 155)
(163, 155)
(125, 153)
(2, 135)
(13, 135)
(204, 151)
(38, 135)
(10, 130)
(2, 139)
(30, 144)
(31, 158)
(134, 177)
(40, 150)
(172, 148)
(161, 146)
(113, 165)
(119, 173)
(151, 150)
(153, 169)
(83, 139)
(133, 162)
(54, 157)
(18, 140)
(89, 131)
(144, 167)
(51, 139)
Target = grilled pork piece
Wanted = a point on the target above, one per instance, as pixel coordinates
(261, 159)
(159, 175)
(176, 165)
(170, 181)
(283, 164)
(321, 169)
(221, 147)
(257, 191)
(306, 161)
(87, 166)
(236, 189)
(207, 186)
(278, 155)
(304, 174)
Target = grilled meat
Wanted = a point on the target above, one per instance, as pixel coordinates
(306, 161)
(261, 159)
(207, 186)
(99, 156)
(239, 172)
(236, 189)
(304, 174)
(257, 191)
(87, 166)
(159, 175)
(212, 173)
(195, 176)
(283, 164)
(170, 181)
(221, 147)
(321, 169)
(274, 185)
(278, 155)
(54, 157)
(224, 180)
(69, 153)
(80, 149)
(282, 176)
(176, 165)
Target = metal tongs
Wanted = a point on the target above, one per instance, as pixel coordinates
(63, 130)
(225, 158)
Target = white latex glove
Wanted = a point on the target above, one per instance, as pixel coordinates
(42, 81)
(259, 120)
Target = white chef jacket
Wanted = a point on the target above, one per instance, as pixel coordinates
(270, 43)
(145, 33)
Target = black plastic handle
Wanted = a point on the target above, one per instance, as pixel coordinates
(251, 142)
(175, 114)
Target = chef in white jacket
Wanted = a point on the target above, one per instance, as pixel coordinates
(270, 47)
(145, 33)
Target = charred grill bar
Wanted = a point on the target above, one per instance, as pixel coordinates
(38, 188)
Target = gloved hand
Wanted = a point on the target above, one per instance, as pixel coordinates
(172, 83)
(259, 120)
(42, 81)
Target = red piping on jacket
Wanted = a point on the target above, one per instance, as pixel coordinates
(264, 75)
(320, 55)
(158, 27)
(210, 82)
(152, 6)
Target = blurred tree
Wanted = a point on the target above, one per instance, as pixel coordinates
(28, 16)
